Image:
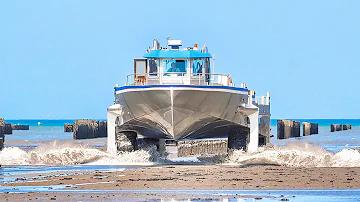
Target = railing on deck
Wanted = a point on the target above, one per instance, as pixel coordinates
(180, 78)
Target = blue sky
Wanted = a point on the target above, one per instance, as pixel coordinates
(61, 59)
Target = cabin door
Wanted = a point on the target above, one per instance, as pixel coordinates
(140, 70)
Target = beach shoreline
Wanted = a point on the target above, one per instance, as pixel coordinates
(168, 178)
(203, 177)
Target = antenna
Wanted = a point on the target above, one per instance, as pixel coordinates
(203, 49)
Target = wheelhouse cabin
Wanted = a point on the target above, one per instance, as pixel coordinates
(174, 65)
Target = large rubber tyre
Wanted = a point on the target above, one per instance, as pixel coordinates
(126, 141)
(239, 139)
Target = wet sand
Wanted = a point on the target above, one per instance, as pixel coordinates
(188, 177)
(15, 197)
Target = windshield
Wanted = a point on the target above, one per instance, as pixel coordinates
(197, 66)
(174, 66)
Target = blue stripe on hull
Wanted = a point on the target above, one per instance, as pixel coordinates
(180, 86)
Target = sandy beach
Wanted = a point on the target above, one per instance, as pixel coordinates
(186, 177)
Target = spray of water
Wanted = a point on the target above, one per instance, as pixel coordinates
(296, 154)
(70, 153)
(299, 154)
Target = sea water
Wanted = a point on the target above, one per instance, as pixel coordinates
(51, 149)
(46, 143)
(45, 130)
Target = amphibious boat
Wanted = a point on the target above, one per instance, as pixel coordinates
(174, 94)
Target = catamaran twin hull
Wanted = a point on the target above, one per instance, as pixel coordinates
(181, 111)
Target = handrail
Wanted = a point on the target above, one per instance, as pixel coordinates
(181, 78)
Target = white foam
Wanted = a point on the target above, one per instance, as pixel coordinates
(300, 154)
(295, 154)
(146, 156)
(69, 153)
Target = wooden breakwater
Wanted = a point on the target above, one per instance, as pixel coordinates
(346, 126)
(289, 128)
(2, 134)
(20, 127)
(9, 127)
(339, 127)
(87, 129)
(310, 128)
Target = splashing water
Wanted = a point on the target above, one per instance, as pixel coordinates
(69, 153)
(300, 154)
(295, 154)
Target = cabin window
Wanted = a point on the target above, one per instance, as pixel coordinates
(197, 67)
(153, 67)
(174, 66)
(207, 70)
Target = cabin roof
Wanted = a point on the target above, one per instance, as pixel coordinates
(177, 54)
